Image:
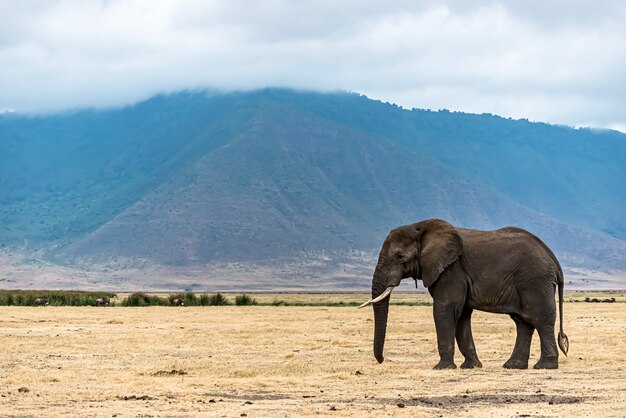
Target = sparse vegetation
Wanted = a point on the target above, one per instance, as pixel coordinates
(280, 302)
(84, 298)
(55, 297)
(218, 300)
(204, 299)
(142, 299)
(244, 300)
(189, 298)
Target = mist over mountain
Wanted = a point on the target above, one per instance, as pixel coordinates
(198, 178)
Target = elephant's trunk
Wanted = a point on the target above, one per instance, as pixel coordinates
(381, 311)
(381, 293)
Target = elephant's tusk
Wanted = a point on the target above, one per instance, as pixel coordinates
(369, 302)
(384, 294)
(378, 299)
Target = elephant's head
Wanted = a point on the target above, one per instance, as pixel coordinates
(421, 251)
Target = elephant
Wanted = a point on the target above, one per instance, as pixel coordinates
(41, 302)
(103, 302)
(508, 271)
(177, 302)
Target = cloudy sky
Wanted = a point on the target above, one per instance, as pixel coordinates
(556, 61)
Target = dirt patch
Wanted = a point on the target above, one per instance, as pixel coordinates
(459, 401)
(255, 396)
(136, 398)
(172, 372)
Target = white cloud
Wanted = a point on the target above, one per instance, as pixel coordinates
(562, 62)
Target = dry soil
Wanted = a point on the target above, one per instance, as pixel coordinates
(294, 361)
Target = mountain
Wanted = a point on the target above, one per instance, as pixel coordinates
(271, 178)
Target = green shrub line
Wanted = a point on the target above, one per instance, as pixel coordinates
(55, 297)
(140, 299)
(278, 302)
(189, 299)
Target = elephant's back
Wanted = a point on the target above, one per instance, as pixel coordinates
(508, 252)
(508, 237)
(507, 231)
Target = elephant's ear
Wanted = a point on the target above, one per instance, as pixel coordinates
(440, 245)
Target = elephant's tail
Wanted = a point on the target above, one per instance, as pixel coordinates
(563, 340)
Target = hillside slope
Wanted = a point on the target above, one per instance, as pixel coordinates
(62, 176)
(195, 178)
(574, 175)
(281, 188)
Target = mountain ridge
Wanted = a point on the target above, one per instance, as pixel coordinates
(194, 178)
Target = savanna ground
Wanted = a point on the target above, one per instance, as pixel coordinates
(296, 361)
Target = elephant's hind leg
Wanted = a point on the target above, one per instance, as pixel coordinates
(543, 317)
(465, 340)
(521, 352)
(549, 354)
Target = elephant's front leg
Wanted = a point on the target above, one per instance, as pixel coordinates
(465, 340)
(445, 324)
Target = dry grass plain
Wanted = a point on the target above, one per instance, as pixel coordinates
(295, 361)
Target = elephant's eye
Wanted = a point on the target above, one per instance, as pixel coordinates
(400, 257)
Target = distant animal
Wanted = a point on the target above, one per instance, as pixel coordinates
(177, 302)
(596, 300)
(41, 302)
(102, 302)
(508, 271)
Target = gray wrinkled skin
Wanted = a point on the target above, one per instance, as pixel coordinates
(507, 271)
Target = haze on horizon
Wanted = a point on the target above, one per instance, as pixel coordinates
(561, 62)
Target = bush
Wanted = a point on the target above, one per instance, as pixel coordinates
(190, 298)
(8, 299)
(142, 299)
(205, 300)
(277, 302)
(218, 300)
(244, 300)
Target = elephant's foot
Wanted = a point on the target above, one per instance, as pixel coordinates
(516, 364)
(447, 364)
(547, 364)
(471, 364)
